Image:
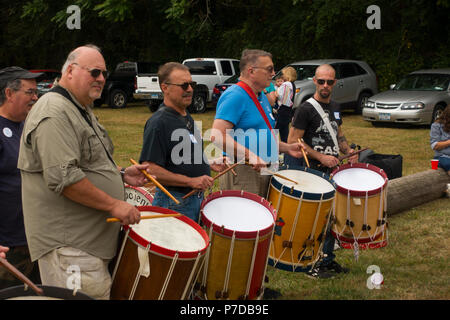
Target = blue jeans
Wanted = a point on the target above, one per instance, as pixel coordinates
(190, 207)
(444, 162)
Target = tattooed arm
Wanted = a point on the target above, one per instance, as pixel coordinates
(344, 147)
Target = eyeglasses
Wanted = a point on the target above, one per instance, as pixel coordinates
(269, 69)
(185, 85)
(329, 82)
(94, 72)
(31, 92)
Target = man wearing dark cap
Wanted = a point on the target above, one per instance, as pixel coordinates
(18, 93)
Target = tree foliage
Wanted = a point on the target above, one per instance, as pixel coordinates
(414, 34)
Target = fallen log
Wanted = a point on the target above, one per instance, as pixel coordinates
(410, 191)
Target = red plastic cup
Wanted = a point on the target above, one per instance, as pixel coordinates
(434, 164)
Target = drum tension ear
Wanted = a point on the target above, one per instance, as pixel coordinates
(349, 223)
(380, 222)
(244, 297)
(366, 227)
(287, 244)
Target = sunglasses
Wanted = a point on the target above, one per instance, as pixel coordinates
(269, 69)
(95, 73)
(185, 85)
(329, 82)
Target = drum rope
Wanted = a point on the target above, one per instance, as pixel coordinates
(138, 275)
(272, 243)
(230, 259)
(294, 229)
(189, 282)
(206, 263)
(252, 265)
(310, 240)
(380, 212)
(119, 257)
(168, 277)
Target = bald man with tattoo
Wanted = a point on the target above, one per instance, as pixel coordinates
(324, 139)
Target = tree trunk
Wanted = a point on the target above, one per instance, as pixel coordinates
(415, 189)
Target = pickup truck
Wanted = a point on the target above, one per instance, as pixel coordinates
(120, 84)
(207, 72)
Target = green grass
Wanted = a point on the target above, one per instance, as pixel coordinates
(415, 264)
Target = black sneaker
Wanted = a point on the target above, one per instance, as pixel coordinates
(333, 266)
(319, 273)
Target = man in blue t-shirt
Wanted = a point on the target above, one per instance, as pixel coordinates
(17, 95)
(243, 129)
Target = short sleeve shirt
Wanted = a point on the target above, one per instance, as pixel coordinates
(250, 129)
(316, 133)
(12, 231)
(173, 142)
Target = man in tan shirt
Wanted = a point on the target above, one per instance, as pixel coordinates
(70, 183)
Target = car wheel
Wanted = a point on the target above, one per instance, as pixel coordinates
(437, 112)
(118, 99)
(198, 103)
(362, 99)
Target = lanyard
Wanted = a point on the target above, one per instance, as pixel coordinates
(252, 95)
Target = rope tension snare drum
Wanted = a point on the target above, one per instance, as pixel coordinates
(159, 258)
(240, 225)
(360, 212)
(303, 216)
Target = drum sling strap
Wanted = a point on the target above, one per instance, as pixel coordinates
(325, 119)
(252, 95)
(84, 114)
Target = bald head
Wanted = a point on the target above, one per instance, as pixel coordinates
(325, 69)
(77, 76)
(324, 79)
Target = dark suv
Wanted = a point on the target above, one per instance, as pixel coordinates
(121, 83)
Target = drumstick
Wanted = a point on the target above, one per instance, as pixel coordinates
(157, 183)
(187, 195)
(19, 275)
(304, 153)
(350, 154)
(149, 217)
(281, 176)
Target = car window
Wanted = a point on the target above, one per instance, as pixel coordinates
(226, 68)
(148, 67)
(201, 67)
(233, 79)
(304, 72)
(360, 70)
(236, 67)
(347, 70)
(424, 82)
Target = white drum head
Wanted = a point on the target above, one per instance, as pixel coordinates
(358, 179)
(169, 233)
(307, 182)
(238, 214)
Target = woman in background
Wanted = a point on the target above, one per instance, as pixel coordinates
(440, 139)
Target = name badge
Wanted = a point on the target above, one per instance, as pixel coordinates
(337, 115)
(192, 138)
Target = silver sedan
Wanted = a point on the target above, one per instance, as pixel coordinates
(418, 98)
